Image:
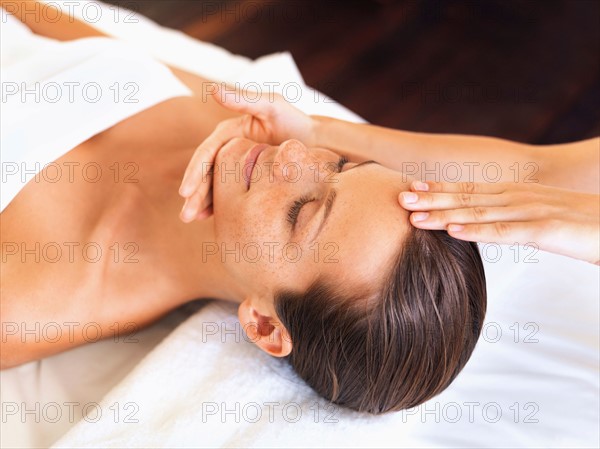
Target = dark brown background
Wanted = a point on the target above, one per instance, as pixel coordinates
(523, 70)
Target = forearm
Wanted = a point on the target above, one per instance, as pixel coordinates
(454, 158)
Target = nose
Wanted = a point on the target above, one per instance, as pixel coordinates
(292, 151)
(292, 163)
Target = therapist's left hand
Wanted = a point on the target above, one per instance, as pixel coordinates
(557, 220)
(268, 119)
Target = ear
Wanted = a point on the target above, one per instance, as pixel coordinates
(263, 329)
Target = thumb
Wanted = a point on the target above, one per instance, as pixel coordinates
(254, 103)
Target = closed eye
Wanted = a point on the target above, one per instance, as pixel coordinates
(343, 161)
(296, 207)
(294, 211)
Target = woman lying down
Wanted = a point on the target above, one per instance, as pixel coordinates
(366, 279)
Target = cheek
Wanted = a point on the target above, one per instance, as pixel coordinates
(256, 233)
(257, 219)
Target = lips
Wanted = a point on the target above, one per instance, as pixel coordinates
(251, 162)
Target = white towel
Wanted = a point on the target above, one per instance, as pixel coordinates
(56, 95)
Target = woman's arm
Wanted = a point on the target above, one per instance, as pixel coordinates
(438, 157)
(435, 157)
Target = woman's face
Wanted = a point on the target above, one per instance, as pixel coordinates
(304, 213)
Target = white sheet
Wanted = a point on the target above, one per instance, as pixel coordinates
(532, 380)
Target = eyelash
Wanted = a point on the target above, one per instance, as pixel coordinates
(292, 216)
(294, 211)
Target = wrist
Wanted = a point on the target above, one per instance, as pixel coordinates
(319, 126)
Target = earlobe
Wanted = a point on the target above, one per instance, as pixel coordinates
(267, 332)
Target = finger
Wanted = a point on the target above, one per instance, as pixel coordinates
(427, 201)
(184, 214)
(442, 218)
(199, 167)
(191, 207)
(459, 187)
(198, 172)
(504, 232)
(194, 207)
(205, 203)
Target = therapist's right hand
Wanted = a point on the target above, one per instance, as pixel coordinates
(267, 119)
(552, 219)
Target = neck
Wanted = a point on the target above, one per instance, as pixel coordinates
(204, 271)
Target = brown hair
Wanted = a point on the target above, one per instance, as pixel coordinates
(403, 348)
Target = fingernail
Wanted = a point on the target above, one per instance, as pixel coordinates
(186, 214)
(455, 228)
(410, 197)
(420, 216)
(422, 186)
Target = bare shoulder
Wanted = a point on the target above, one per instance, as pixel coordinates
(79, 262)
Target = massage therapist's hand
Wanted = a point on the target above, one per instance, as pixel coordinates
(268, 118)
(556, 220)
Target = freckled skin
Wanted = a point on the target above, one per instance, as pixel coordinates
(364, 230)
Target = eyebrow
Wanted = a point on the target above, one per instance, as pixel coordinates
(331, 199)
